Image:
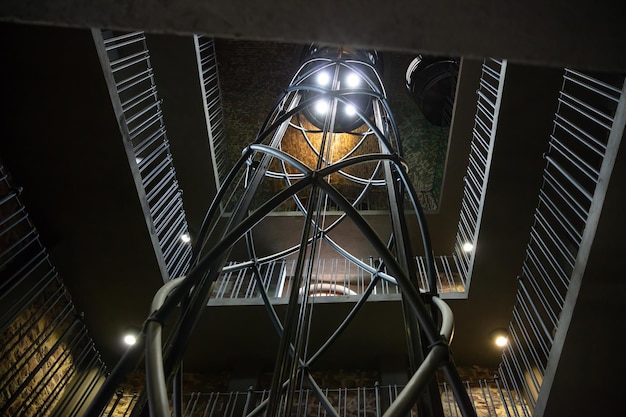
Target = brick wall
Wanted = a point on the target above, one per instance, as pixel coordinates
(34, 363)
(253, 74)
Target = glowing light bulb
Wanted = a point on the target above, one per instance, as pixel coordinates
(353, 80)
(323, 78)
(350, 110)
(502, 341)
(130, 339)
(468, 247)
(321, 107)
(185, 237)
(500, 337)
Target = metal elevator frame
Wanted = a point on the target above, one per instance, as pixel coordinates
(267, 175)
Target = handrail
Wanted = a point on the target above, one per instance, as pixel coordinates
(44, 338)
(581, 134)
(126, 65)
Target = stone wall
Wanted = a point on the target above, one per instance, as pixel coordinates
(129, 392)
(44, 347)
(35, 364)
(253, 74)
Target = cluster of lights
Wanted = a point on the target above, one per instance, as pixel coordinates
(352, 80)
(345, 83)
(323, 79)
(322, 107)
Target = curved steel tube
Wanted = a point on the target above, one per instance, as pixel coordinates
(155, 374)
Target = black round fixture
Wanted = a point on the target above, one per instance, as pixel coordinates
(431, 82)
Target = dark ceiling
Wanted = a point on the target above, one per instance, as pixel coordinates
(554, 33)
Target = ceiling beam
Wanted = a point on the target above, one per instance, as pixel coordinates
(587, 35)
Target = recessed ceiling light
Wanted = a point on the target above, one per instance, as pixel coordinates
(185, 237)
(501, 341)
(130, 335)
(130, 339)
(500, 337)
(468, 247)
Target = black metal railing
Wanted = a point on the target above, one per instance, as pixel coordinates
(333, 277)
(126, 65)
(212, 100)
(574, 160)
(486, 395)
(48, 363)
(477, 175)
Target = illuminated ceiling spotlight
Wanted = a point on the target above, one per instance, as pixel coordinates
(321, 107)
(130, 339)
(500, 337)
(185, 237)
(323, 78)
(350, 110)
(468, 247)
(353, 80)
(130, 336)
